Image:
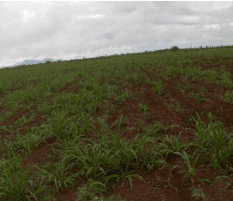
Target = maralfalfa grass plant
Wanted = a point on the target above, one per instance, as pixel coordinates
(212, 142)
(198, 193)
(190, 172)
(14, 182)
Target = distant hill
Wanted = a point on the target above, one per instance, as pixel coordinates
(31, 62)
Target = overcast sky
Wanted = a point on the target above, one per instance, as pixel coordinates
(71, 30)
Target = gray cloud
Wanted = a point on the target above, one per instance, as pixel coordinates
(69, 30)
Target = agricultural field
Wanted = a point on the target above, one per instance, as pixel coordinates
(145, 126)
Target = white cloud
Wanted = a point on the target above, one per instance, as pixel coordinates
(209, 6)
(212, 27)
(59, 30)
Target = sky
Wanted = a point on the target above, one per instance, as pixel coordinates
(68, 30)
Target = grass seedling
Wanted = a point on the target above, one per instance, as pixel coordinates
(173, 144)
(198, 193)
(143, 107)
(17, 181)
(185, 87)
(190, 172)
(88, 191)
(175, 105)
